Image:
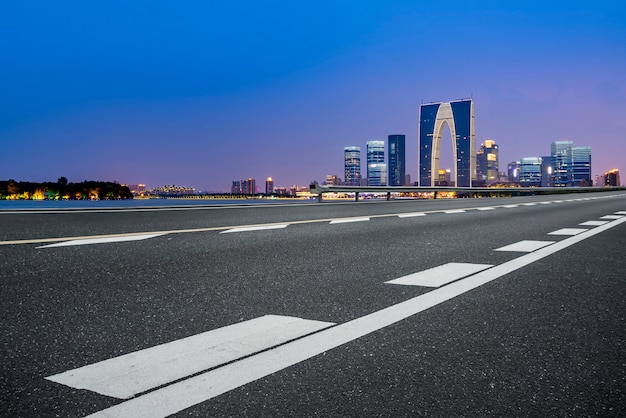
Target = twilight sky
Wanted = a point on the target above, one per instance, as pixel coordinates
(201, 93)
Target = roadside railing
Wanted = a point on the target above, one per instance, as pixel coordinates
(320, 190)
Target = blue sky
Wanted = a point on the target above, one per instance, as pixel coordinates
(201, 93)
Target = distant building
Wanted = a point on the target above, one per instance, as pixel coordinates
(444, 178)
(248, 186)
(611, 178)
(561, 153)
(397, 160)
(459, 116)
(269, 186)
(487, 162)
(376, 167)
(530, 172)
(333, 180)
(352, 166)
(547, 167)
(236, 187)
(512, 171)
(581, 166)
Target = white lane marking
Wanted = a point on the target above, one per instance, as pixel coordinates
(410, 215)
(525, 246)
(567, 231)
(529, 204)
(593, 223)
(611, 217)
(254, 228)
(179, 396)
(348, 220)
(510, 206)
(101, 240)
(125, 376)
(621, 212)
(557, 201)
(544, 203)
(438, 276)
(454, 211)
(487, 208)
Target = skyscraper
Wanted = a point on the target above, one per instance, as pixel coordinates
(561, 153)
(397, 160)
(376, 167)
(487, 162)
(530, 172)
(581, 166)
(459, 116)
(269, 186)
(352, 166)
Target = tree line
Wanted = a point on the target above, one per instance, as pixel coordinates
(63, 190)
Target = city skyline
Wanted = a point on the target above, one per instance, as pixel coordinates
(200, 94)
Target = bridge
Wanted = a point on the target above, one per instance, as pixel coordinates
(447, 307)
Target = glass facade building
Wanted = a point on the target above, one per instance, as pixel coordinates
(397, 160)
(487, 162)
(459, 116)
(530, 172)
(352, 166)
(376, 167)
(561, 153)
(581, 166)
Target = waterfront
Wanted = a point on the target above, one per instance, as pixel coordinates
(7, 205)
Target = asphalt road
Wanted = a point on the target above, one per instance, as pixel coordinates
(533, 332)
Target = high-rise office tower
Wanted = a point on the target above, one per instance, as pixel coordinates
(561, 153)
(376, 167)
(611, 178)
(487, 162)
(269, 186)
(248, 186)
(459, 116)
(352, 166)
(530, 172)
(581, 166)
(397, 160)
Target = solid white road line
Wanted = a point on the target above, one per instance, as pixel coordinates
(125, 376)
(178, 396)
(525, 246)
(593, 223)
(567, 231)
(255, 228)
(101, 240)
(438, 276)
(348, 220)
(410, 215)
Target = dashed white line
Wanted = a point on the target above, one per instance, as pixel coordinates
(525, 246)
(349, 220)
(612, 217)
(125, 376)
(454, 211)
(487, 208)
(438, 276)
(255, 228)
(411, 215)
(593, 223)
(105, 240)
(567, 231)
